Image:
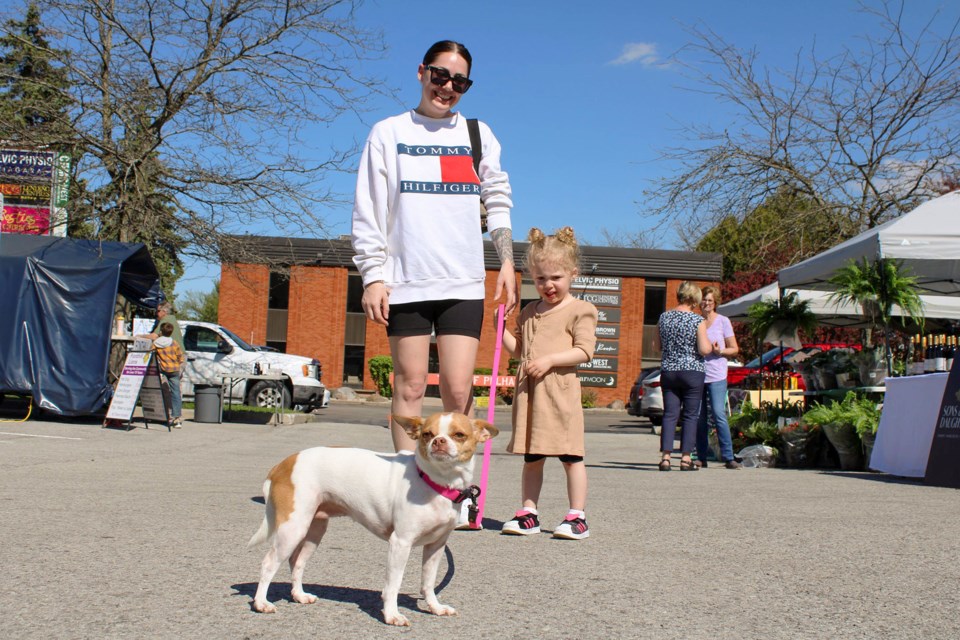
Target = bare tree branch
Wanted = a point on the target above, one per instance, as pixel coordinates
(196, 111)
(860, 137)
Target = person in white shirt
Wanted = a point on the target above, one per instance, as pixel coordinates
(418, 240)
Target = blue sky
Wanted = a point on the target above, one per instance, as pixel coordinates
(581, 95)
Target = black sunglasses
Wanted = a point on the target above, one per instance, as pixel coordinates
(440, 76)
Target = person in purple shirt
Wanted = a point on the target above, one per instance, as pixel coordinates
(714, 402)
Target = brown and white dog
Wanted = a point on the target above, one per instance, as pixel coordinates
(406, 499)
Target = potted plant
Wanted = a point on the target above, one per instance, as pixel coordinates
(837, 421)
(866, 420)
(870, 366)
(876, 287)
(801, 443)
(778, 321)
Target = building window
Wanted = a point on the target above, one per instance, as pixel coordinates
(355, 335)
(277, 305)
(654, 303)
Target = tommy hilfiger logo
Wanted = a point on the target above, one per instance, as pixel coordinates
(455, 164)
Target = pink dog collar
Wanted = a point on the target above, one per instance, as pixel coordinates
(455, 495)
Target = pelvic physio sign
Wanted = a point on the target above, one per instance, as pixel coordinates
(605, 294)
(942, 467)
(35, 186)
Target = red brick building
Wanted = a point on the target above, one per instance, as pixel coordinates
(312, 308)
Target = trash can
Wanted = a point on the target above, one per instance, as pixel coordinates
(207, 400)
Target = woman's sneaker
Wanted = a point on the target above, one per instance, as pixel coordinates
(572, 528)
(524, 523)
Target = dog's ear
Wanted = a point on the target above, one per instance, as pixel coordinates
(410, 424)
(484, 430)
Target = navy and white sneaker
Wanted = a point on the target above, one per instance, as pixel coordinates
(572, 528)
(524, 523)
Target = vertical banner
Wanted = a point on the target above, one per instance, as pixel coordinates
(943, 469)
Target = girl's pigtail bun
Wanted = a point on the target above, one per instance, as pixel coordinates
(566, 236)
(536, 236)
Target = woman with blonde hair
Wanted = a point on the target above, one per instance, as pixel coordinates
(683, 343)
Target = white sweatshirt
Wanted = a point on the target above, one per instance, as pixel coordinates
(416, 216)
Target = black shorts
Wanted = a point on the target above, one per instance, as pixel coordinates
(536, 457)
(445, 317)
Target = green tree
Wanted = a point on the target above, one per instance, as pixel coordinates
(203, 307)
(34, 97)
(757, 242)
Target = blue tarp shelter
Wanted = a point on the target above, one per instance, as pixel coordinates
(57, 302)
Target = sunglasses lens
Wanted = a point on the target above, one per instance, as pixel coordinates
(440, 76)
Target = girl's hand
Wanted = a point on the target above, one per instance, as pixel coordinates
(538, 367)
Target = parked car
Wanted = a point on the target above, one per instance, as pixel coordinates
(214, 351)
(636, 391)
(772, 360)
(651, 402)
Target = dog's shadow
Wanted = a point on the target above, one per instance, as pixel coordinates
(366, 600)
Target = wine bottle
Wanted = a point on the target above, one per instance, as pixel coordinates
(940, 354)
(916, 367)
(928, 354)
(951, 349)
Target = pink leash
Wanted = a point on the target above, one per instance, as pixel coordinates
(485, 472)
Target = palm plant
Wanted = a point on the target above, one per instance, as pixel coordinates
(877, 287)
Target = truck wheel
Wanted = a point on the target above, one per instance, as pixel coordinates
(269, 394)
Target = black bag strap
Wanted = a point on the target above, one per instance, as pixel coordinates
(474, 129)
(477, 152)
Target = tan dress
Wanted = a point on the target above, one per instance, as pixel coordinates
(547, 413)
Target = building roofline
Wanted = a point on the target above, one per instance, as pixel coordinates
(595, 260)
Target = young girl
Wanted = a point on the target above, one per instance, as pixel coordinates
(556, 333)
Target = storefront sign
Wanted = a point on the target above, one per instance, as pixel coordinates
(598, 298)
(597, 283)
(35, 186)
(600, 364)
(597, 380)
(608, 331)
(607, 348)
(605, 314)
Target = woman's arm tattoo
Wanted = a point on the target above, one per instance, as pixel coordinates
(503, 242)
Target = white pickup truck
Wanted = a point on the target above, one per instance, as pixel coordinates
(214, 351)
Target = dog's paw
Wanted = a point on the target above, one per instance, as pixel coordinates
(303, 597)
(396, 619)
(264, 607)
(442, 610)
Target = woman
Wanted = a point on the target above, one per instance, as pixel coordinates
(723, 345)
(417, 236)
(683, 343)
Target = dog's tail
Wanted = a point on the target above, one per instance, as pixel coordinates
(264, 531)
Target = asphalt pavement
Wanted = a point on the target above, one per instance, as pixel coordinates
(142, 534)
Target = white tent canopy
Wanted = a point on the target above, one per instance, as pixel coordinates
(831, 313)
(926, 241)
